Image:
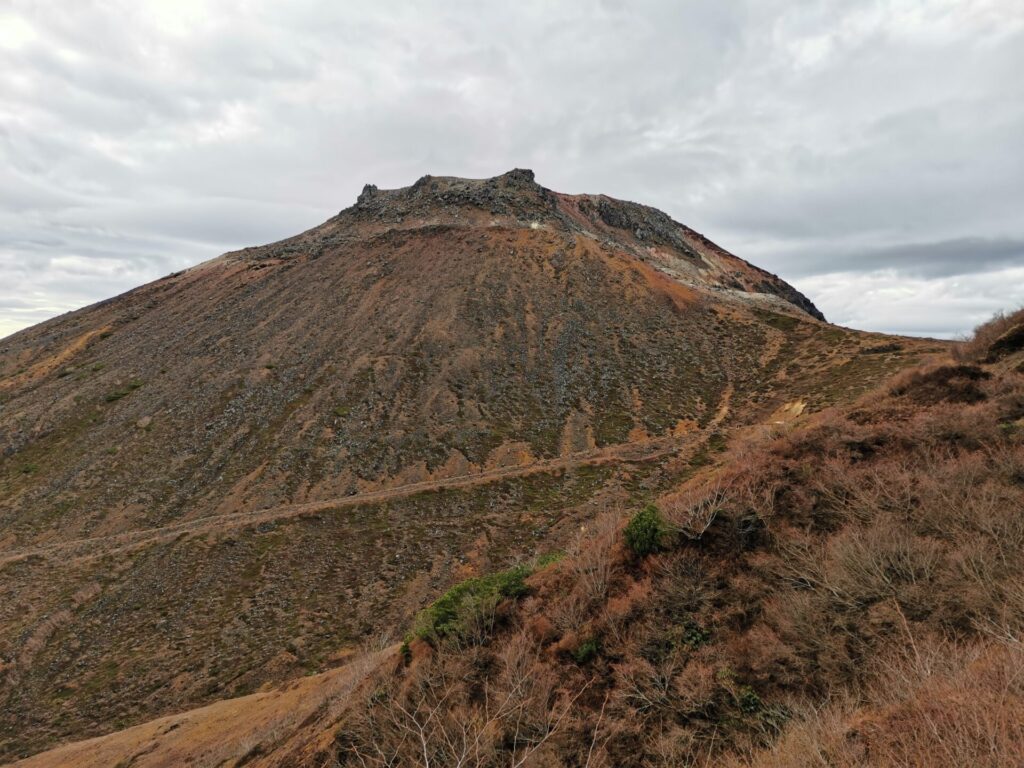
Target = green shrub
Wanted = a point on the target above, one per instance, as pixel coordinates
(748, 699)
(646, 531)
(458, 611)
(690, 635)
(586, 651)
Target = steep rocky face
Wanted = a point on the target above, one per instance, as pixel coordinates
(223, 477)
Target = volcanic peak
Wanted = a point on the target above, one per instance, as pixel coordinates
(515, 199)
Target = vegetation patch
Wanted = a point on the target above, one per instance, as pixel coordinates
(459, 610)
(882, 349)
(775, 320)
(702, 457)
(586, 650)
(945, 384)
(1001, 335)
(646, 532)
(1010, 342)
(893, 522)
(690, 635)
(124, 391)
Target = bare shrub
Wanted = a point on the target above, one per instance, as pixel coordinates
(942, 384)
(1008, 461)
(870, 565)
(433, 718)
(940, 707)
(681, 583)
(678, 747)
(984, 336)
(644, 688)
(692, 510)
(1005, 622)
(590, 562)
(952, 707)
(818, 737)
(802, 619)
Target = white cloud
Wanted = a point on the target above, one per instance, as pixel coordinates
(801, 136)
(945, 307)
(15, 32)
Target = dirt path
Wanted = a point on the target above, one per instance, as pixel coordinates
(98, 546)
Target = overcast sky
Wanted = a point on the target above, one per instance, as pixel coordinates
(871, 153)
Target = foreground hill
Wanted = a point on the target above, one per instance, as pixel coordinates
(843, 590)
(233, 476)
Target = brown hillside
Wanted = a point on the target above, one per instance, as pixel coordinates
(843, 589)
(228, 477)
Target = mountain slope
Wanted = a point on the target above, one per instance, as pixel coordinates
(840, 590)
(413, 329)
(229, 476)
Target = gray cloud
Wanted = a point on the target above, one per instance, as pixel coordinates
(874, 150)
(962, 256)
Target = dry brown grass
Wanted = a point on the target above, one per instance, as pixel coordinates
(229, 732)
(931, 706)
(847, 592)
(979, 346)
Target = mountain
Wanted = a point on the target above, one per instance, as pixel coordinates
(233, 476)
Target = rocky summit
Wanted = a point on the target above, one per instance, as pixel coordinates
(234, 476)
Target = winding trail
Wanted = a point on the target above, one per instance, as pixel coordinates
(99, 546)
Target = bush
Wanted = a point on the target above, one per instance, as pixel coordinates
(690, 635)
(944, 384)
(645, 533)
(980, 345)
(585, 651)
(748, 700)
(460, 611)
